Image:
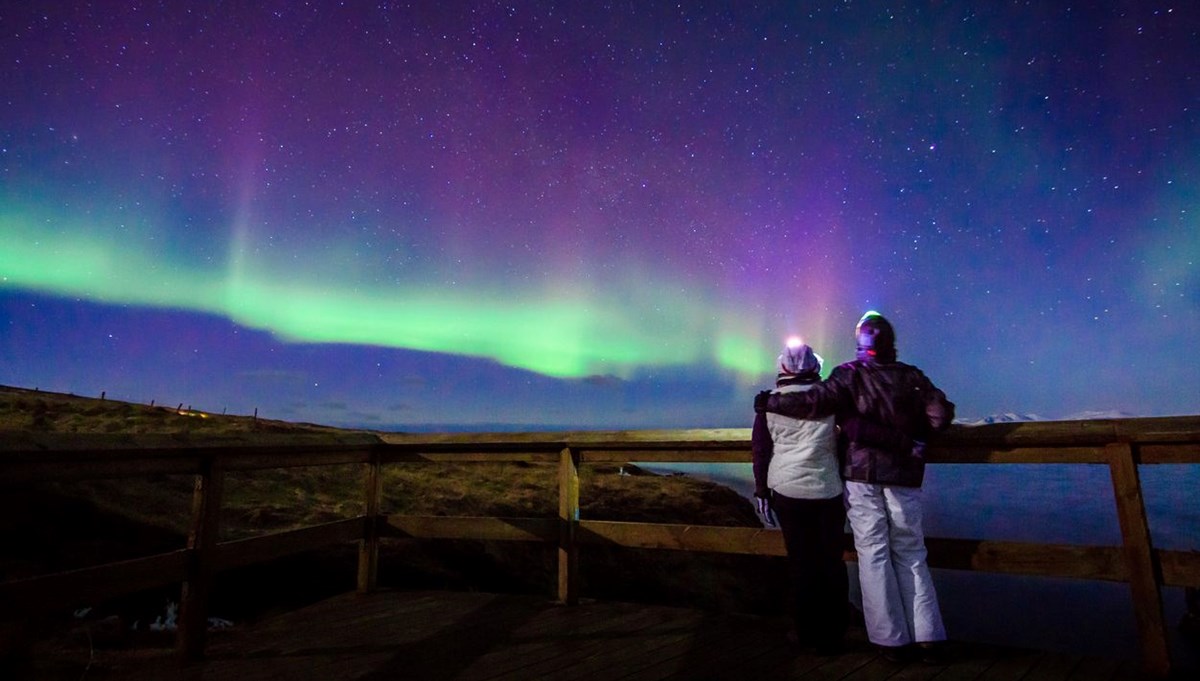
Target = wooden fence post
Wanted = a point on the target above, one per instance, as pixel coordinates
(202, 542)
(568, 518)
(1145, 577)
(368, 548)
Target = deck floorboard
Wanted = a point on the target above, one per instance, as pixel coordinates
(488, 637)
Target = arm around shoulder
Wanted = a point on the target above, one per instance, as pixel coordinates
(821, 400)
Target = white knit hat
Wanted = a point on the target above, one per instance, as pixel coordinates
(798, 358)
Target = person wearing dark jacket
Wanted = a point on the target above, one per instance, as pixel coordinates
(796, 477)
(887, 410)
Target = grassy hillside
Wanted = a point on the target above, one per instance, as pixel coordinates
(63, 526)
(49, 412)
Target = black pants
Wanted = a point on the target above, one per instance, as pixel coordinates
(814, 534)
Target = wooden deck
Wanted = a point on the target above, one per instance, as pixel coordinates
(443, 635)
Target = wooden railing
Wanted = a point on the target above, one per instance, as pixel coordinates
(1121, 445)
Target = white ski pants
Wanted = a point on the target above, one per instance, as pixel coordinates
(899, 602)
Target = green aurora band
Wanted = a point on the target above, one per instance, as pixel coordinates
(553, 333)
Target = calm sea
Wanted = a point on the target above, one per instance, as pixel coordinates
(1049, 503)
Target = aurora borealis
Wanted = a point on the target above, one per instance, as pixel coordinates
(576, 214)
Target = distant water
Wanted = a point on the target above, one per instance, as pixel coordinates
(1046, 503)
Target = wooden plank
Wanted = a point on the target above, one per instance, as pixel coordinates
(749, 540)
(416, 652)
(468, 457)
(1052, 560)
(1011, 664)
(715, 648)
(843, 666)
(573, 655)
(1100, 669)
(1144, 577)
(89, 586)
(471, 527)
(203, 535)
(784, 662)
(294, 457)
(678, 635)
(1158, 429)
(969, 661)
(706, 451)
(1177, 453)
(558, 634)
(350, 616)
(64, 468)
(1079, 562)
(568, 522)
(1029, 433)
(368, 547)
(921, 672)
(1053, 667)
(877, 669)
(1033, 433)
(578, 438)
(1180, 568)
(251, 550)
(739, 455)
(944, 453)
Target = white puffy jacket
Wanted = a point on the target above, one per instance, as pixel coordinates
(804, 461)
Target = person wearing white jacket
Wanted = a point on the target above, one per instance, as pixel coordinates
(797, 479)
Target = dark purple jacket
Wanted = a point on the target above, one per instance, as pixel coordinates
(876, 397)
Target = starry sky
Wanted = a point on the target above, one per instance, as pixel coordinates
(539, 215)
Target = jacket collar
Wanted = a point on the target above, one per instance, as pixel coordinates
(797, 379)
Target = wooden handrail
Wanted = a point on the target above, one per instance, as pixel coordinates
(1120, 444)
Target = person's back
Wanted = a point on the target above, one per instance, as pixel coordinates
(803, 463)
(895, 395)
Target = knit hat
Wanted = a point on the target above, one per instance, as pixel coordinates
(798, 358)
(876, 340)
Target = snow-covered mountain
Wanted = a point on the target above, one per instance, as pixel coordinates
(1013, 417)
(1097, 414)
(1008, 417)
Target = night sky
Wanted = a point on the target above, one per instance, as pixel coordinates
(596, 214)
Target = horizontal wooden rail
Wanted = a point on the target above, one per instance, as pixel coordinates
(251, 550)
(22, 471)
(1029, 455)
(1170, 453)
(92, 585)
(393, 454)
(467, 527)
(1179, 568)
(744, 540)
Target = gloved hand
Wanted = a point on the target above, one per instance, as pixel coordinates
(760, 401)
(763, 506)
(918, 450)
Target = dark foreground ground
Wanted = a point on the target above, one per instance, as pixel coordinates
(455, 635)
